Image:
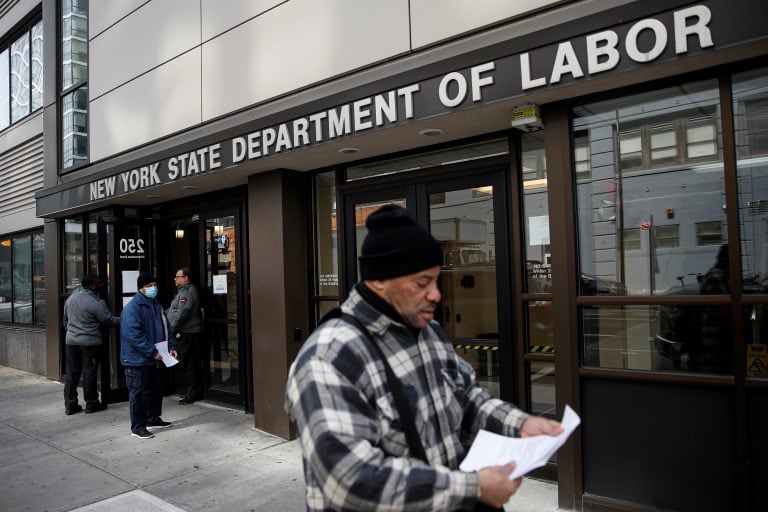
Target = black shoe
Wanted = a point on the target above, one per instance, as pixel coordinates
(96, 408)
(143, 434)
(73, 410)
(186, 400)
(159, 424)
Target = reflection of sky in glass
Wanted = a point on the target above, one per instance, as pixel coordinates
(20, 78)
(5, 89)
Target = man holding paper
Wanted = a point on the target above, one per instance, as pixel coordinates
(381, 401)
(143, 326)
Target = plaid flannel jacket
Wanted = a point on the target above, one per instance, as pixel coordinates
(354, 451)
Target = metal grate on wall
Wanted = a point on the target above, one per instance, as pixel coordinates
(21, 175)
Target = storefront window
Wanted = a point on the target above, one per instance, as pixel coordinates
(22, 279)
(38, 276)
(651, 195)
(750, 109)
(326, 243)
(683, 337)
(73, 254)
(536, 213)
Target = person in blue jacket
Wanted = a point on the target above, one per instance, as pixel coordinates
(142, 324)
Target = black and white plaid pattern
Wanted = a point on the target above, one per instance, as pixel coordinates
(355, 452)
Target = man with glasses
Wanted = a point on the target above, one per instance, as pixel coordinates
(186, 322)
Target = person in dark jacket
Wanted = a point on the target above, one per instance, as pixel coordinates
(84, 315)
(142, 325)
(186, 322)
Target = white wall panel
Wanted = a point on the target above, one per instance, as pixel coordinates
(103, 14)
(436, 20)
(159, 103)
(222, 15)
(156, 33)
(296, 44)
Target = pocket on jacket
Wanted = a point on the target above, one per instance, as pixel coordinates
(392, 438)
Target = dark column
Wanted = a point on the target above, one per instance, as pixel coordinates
(277, 234)
(564, 267)
(53, 331)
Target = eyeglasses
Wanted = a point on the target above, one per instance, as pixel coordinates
(179, 277)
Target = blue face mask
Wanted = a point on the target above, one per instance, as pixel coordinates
(151, 292)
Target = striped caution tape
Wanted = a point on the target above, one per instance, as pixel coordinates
(476, 347)
(543, 348)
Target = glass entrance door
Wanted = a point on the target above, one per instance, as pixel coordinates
(467, 217)
(220, 235)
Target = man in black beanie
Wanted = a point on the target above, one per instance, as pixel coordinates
(363, 446)
(142, 325)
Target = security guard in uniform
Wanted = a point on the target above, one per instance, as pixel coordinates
(186, 322)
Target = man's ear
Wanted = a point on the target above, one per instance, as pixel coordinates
(376, 285)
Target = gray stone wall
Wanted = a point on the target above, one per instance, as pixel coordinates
(23, 349)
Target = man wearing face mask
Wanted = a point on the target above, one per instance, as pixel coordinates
(143, 324)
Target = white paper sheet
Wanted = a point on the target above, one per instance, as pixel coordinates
(168, 359)
(529, 453)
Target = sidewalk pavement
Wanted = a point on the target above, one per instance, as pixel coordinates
(211, 459)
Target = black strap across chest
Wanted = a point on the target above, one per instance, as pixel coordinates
(401, 402)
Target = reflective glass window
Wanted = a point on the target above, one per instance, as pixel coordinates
(750, 109)
(6, 280)
(73, 254)
(20, 106)
(668, 337)
(5, 89)
(36, 65)
(536, 213)
(655, 175)
(74, 128)
(22, 280)
(38, 276)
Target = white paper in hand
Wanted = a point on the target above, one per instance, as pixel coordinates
(168, 359)
(489, 449)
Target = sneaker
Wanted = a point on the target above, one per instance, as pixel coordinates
(159, 424)
(73, 410)
(143, 434)
(186, 400)
(96, 408)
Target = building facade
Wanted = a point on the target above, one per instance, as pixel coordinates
(596, 170)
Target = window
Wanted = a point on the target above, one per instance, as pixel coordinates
(653, 157)
(21, 75)
(686, 138)
(709, 233)
(22, 279)
(74, 83)
(750, 109)
(667, 236)
(326, 286)
(632, 239)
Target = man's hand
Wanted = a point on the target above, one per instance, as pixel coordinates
(158, 357)
(495, 486)
(536, 425)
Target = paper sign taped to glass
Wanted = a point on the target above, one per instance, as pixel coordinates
(528, 453)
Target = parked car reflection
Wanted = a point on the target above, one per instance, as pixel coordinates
(696, 336)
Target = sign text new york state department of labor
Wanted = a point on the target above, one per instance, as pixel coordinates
(613, 50)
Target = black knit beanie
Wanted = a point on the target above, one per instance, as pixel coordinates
(396, 245)
(144, 279)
